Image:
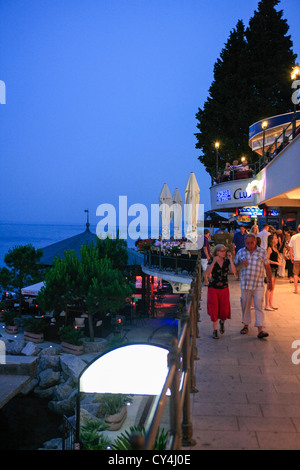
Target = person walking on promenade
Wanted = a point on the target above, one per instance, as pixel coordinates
(264, 235)
(287, 257)
(253, 263)
(218, 296)
(273, 257)
(205, 254)
(238, 243)
(294, 246)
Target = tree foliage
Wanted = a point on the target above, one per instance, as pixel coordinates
(251, 82)
(23, 261)
(93, 283)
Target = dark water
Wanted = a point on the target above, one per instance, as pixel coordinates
(26, 423)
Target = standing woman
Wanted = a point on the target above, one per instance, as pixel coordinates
(218, 298)
(273, 256)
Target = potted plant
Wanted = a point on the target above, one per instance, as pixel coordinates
(10, 324)
(34, 330)
(123, 442)
(71, 340)
(113, 408)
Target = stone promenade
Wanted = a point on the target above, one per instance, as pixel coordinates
(249, 389)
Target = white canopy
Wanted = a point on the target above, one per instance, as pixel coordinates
(165, 201)
(32, 290)
(177, 213)
(192, 198)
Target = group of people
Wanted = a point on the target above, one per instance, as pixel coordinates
(234, 170)
(256, 258)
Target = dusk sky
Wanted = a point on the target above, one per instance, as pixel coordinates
(101, 97)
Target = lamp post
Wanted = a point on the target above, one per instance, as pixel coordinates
(217, 145)
(264, 126)
(294, 74)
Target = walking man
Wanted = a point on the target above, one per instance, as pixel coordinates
(264, 236)
(253, 263)
(238, 242)
(294, 247)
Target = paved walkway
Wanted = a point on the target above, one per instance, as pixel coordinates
(249, 389)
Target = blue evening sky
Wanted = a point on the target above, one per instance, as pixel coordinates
(101, 97)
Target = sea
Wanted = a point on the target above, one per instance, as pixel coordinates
(38, 235)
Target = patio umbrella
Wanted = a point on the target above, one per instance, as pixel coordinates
(192, 198)
(177, 214)
(213, 218)
(165, 203)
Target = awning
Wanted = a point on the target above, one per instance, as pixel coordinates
(32, 290)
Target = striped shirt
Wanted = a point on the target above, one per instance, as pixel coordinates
(253, 275)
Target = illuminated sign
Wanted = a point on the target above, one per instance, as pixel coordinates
(251, 211)
(225, 195)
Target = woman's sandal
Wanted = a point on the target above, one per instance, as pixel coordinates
(215, 334)
(222, 327)
(244, 330)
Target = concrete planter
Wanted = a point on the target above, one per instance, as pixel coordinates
(72, 348)
(115, 421)
(34, 337)
(11, 329)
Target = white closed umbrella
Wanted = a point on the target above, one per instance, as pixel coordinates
(192, 199)
(177, 214)
(165, 203)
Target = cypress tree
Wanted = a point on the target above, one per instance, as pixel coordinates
(251, 82)
(271, 60)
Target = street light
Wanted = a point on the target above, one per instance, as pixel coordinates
(264, 125)
(217, 145)
(294, 74)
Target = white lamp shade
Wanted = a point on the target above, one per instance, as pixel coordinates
(139, 369)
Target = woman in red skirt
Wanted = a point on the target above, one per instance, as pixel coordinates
(218, 299)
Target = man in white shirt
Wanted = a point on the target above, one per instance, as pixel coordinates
(264, 236)
(294, 247)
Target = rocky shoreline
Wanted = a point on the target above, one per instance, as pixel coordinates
(54, 387)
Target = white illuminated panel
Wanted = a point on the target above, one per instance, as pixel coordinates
(139, 369)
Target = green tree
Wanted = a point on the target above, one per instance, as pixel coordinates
(23, 261)
(5, 281)
(223, 117)
(92, 283)
(251, 82)
(271, 60)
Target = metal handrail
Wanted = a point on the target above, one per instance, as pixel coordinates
(180, 378)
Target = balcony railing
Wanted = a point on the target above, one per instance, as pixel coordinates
(181, 263)
(269, 152)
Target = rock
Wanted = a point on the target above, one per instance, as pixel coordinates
(49, 362)
(31, 349)
(48, 378)
(15, 347)
(71, 365)
(63, 391)
(53, 444)
(86, 416)
(44, 393)
(29, 387)
(51, 351)
(64, 407)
